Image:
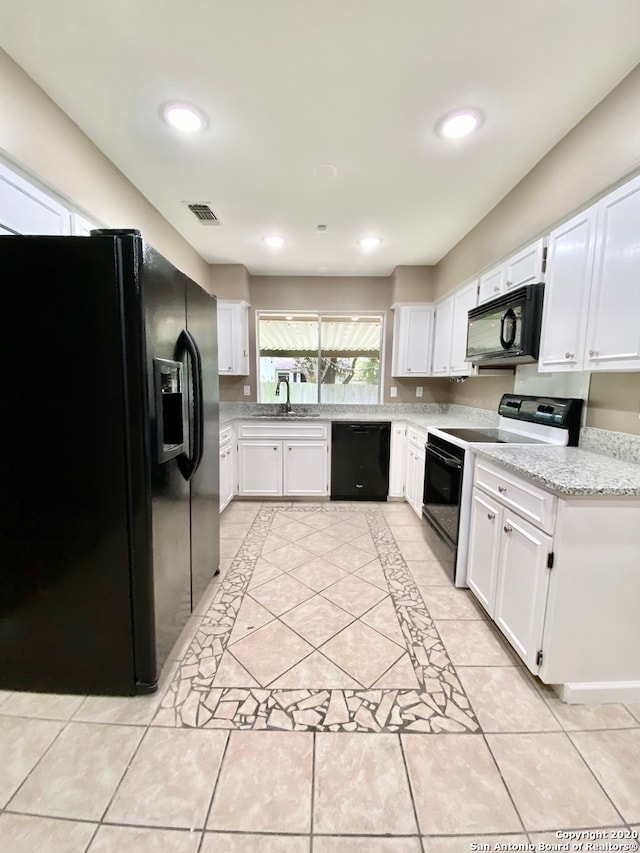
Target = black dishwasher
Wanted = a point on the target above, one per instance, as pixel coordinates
(360, 460)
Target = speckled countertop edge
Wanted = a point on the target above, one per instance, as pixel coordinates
(568, 470)
(430, 415)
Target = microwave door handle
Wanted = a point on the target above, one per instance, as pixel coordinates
(189, 464)
(449, 461)
(509, 317)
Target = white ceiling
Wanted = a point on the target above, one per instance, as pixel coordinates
(291, 84)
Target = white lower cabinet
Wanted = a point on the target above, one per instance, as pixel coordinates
(227, 467)
(397, 459)
(277, 459)
(521, 585)
(260, 468)
(562, 584)
(484, 536)
(414, 468)
(304, 469)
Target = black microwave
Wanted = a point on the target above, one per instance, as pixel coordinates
(506, 331)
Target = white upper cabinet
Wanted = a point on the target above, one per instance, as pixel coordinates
(233, 338)
(443, 328)
(592, 297)
(613, 331)
(80, 226)
(24, 209)
(491, 284)
(412, 325)
(525, 267)
(463, 301)
(564, 314)
(450, 332)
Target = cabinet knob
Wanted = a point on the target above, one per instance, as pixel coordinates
(502, 489)
(594, 353)
(275, 448)
(491, 516)
(508, 283)
(496, 288)
(508, 529)
(568, 355)
(408, 370)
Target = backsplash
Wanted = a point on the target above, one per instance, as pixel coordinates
(620, 445)
(394, 411)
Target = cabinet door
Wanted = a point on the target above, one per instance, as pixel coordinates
(24, 209)
(613, 336)
(80, 226)
(525, 267)
(306, 469)
(491, 284)
(421, 461)
(412, 340)
(443, 327)
(484, 544)
(225, 338)
(566, 293)
(260, 468)
(227, 479)
(521, 591)
(233, 338)
(397, 460)
(415, 478)
(410, 477)
(463, 301)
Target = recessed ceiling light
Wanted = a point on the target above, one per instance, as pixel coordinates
(273, 241)
(325, 170)
(369, 243)
(460, 123)
(184, 117)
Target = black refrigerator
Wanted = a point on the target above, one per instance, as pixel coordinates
(109, 521)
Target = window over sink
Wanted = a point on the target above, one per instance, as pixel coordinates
(328, 358)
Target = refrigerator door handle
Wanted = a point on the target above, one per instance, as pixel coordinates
(189, 464)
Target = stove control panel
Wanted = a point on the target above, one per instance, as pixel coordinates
(563, 412)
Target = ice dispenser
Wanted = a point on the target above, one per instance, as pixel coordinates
(169, 408)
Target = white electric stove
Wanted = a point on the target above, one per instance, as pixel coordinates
(524, 420)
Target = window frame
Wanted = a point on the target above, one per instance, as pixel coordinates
(319, 315)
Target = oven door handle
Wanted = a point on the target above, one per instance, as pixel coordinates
(449, 461)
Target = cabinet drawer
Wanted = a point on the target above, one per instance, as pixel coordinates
(226, 435)
(531, 502)
(278, 429)
(417, 436)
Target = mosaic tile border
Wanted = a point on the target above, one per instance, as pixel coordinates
(438, 705)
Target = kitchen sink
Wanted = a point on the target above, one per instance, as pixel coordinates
(282, 416)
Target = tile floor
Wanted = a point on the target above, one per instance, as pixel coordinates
(332, 693)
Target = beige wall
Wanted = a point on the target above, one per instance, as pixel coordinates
(43, 141)
(482, 392)
(230, 281)
(412, 284)
(614, 402)
(599, 152)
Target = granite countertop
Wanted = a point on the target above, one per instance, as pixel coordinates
(567, 470)
(422, 421)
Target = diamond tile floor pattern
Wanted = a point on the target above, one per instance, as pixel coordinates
(333, 693)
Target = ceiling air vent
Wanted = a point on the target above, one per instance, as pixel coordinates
(203, 213)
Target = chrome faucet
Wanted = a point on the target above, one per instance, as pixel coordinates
(287, 405)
